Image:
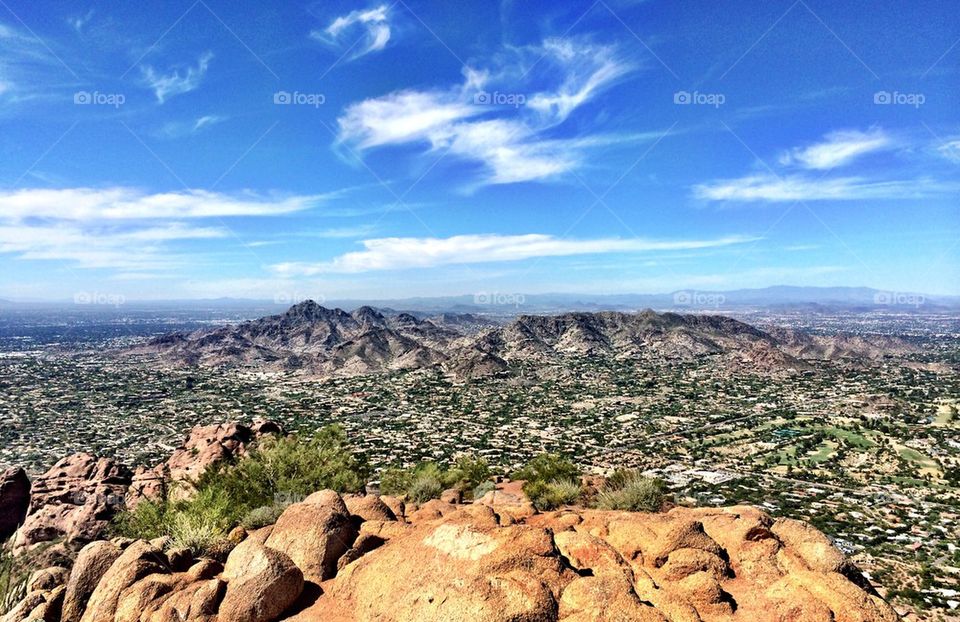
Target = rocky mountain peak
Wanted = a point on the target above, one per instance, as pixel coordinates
(308, 309)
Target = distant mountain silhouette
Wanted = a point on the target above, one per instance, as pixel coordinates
(324, 341)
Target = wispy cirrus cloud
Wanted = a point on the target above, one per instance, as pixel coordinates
(178, 80)
(950, 150)
(772, 188)
(122, 203)
(401, 253)
(838, 149)
(124, 228)
(372, 24)
(27, 66)
(512, 142)
(175, 129)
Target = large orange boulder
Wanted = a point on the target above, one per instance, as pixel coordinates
(314, 534)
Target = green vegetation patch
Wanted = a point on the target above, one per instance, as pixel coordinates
(252, 490)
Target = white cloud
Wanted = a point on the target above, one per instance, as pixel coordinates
(123, 228)
(177, 81)
(374, 24)
(837, 149)
(404, 116)
(950, 150)
(28, 69)
(801, 188)
(206, 120)
(587, 69)
(121, 203)
(175, 129)
(99, 247)
(510, 141)
(79, 22)
(402, 253)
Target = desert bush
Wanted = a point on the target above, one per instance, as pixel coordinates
(13, 579)
(550, 481)
(631, 491)
(425, 487)
(222, 497)
(262, 516)
(547, 468)
(483, 488)
(293, 467)
(421, 483)
(427, 480)
(468, 473)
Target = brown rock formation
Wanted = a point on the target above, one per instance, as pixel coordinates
(204, 447)
(74, 500)
(14, 500)
(331, 561)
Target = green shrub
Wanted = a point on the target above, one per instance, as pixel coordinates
(424, 488)
(225, 495)
(291, 466)
(147, 521)
(550, 481)
(551, 495)
(548, 468)
(421, 483)
(427, 480)
(631, 491)
(263, 516)
(483, 488)
(468, 473)
(13, 579)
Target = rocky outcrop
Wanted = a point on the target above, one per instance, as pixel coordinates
(314, 534)
(204, 447)
(262, 584)
(357, 561)
(74, 500)
(14, 500)
(90, 566)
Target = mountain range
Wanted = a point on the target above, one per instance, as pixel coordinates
(322, 341)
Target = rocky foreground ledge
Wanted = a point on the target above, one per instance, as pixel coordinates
(364, 558)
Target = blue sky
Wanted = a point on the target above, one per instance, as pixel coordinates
(344, 149)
